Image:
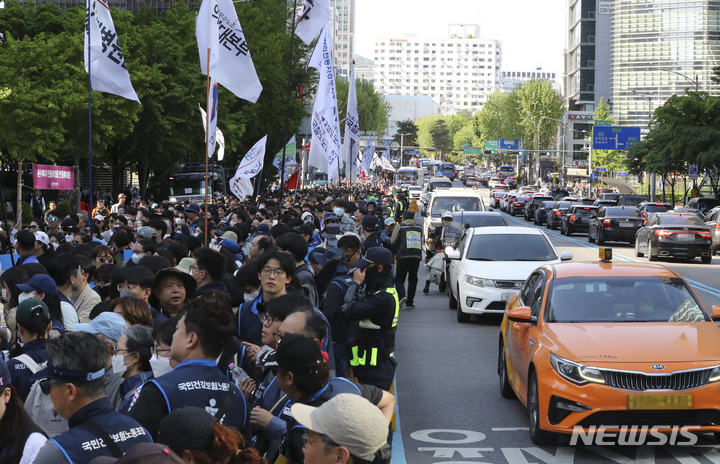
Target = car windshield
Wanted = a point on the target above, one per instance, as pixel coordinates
(538, 200)
(563, 205)
(517, 247)
(440, 205)
(479, 220)
(548, 204)
(622, 212)
(689, 220)
(585, 211)
(441, 184)
(622, 299)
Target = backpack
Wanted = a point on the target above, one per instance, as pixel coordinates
(39, 406)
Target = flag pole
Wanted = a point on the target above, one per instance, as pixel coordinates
(90, 207)
(207, 143)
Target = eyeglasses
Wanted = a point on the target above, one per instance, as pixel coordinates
(104, 259)
(129, 288)
(157, 351)
(274, 272)
(52, 218)
(269, 320)
(323, 439)
(277, 336)
(32, 227)
(47, 384)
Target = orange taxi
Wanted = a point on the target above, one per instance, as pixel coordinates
(601, 344)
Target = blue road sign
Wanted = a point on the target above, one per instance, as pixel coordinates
(622, 173)
(506, 144)
(412, 152)
(593, 176)
(601, 169)
(615, 138)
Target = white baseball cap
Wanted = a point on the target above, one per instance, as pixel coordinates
(348, 420)
(42, 237)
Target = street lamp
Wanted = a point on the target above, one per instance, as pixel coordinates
(561, 147)
(402, 136)
(652, 175)
(695, 82)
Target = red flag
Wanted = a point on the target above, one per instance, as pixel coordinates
(294, 181)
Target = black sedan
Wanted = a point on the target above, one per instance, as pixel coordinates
(615, 224)
(674, 234)
(577, 219)
(517, 206)
(533, 204)
(647, 208)
(555, 215)
(542, 211)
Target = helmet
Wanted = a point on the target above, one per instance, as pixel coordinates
(447, 215)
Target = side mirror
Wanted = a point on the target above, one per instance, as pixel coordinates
(716, 312)
(467, 226)
(566, 256)
(521, 314)
(592, 216)
(452, 253)
(423, 211)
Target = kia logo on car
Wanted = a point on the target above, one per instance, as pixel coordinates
(658, 367)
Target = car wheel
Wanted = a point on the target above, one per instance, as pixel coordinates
(453, 302)
(568, 231)
(600, 238)
(442, 285)
(460, 315)
(638, 253)
(506, 390)
(651, 256)
(706, 259)
(547, 223)
(538, 435)
(590, 237)
(552, 225)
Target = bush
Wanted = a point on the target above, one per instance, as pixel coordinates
(64, 208)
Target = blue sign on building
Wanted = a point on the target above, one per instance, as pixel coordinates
(615, 138)
(506, 144)
(593, 176)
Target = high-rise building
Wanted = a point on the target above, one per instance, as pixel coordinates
(131, 5)
(658, 49)
(344, 38)
(458, 71)
(510, 80)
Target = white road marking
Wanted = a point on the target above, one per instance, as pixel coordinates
(510, 429)
(466, 453)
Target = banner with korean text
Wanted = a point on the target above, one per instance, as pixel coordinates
(47, 177)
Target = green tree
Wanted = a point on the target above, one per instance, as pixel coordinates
(466, 135)
(441, 135)
(410, 129)
(536, 100)
(425, 125)
(373, 110)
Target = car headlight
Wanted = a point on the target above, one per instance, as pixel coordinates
(577, 373)
(478, 282)
(714, 375)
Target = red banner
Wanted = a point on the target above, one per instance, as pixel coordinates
(294, 181)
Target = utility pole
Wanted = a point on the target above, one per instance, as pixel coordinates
(653, 180)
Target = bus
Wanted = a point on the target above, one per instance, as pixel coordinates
(187, 182)
(320, 178)
(407, 176)
(506, 171)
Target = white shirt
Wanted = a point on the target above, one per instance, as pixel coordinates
(33, 444)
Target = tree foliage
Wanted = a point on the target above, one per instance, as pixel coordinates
(535, 101)
(373, 110)
(410, 129)
(440, 134)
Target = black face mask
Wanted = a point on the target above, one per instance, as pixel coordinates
(104, 292)
(372, 276)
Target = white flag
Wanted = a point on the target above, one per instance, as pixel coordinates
(367, 156)
(315, 14)
(104, 59)
(352, 130)
(220, 138)
(212, 107)
(250, 165)
(219, 30)
(241, 186)
(325, 150)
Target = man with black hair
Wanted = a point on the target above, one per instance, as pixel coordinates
(277, 231)
(25, 246)
(297, 247)
(259, 245)
(139, 283)
(202, 333)
(145, 247)
(160, 227)
(347, 224)
(65, 270)
(87, 298)
(208, 270)
(74, 381)
(350, 245)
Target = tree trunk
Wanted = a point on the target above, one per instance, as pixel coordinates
(18, 210)
(77, 183)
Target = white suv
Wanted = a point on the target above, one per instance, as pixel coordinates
(454, 199)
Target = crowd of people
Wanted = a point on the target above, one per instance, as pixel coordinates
(262, 332)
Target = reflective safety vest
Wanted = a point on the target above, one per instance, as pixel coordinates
(373, 339)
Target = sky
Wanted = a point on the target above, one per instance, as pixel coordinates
(531, 32)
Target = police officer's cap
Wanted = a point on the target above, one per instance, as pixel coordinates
(377, 256)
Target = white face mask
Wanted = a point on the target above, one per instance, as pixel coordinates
(167, 222)
(4, 294)
(251, 296)
(160, 365)
(118, 364)
(25, 296)
(136, 257)
(55, 245)
(339, 212)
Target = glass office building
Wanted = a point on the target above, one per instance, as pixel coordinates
(653, 41)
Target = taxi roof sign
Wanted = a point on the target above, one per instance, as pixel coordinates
(606, 255)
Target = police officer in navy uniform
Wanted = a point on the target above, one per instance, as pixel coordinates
(407, 240)
(74, 380)
(202, 333)
(372, 356)
(304, 376)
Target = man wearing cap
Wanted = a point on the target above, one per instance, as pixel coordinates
(372, 355)
(343, 430)
(371, 232)
(172, 288)
(446, 234)
(33, 324)
(202, 333)
(407, 241)
(331, 234)
(192, 211)
(119, 207)
(73, 379)
(386, 233)
(304, 376)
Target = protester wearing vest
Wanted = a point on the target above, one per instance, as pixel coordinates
(74, 382)
(202, 333)
(304, 376)
(20, 437)
(33, 320)
(334, 434)
(373, 354)
(407, 241)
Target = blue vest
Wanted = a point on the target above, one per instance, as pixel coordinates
(200, 383)
(20, 373)
(130, 388)
(80, 445)
(293, 445)
(250, 322)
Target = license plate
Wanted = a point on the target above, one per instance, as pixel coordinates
(627, 224)
(659, 402)
(685, 237)
(507, 295)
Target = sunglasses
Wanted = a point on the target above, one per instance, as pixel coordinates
(47, 384)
